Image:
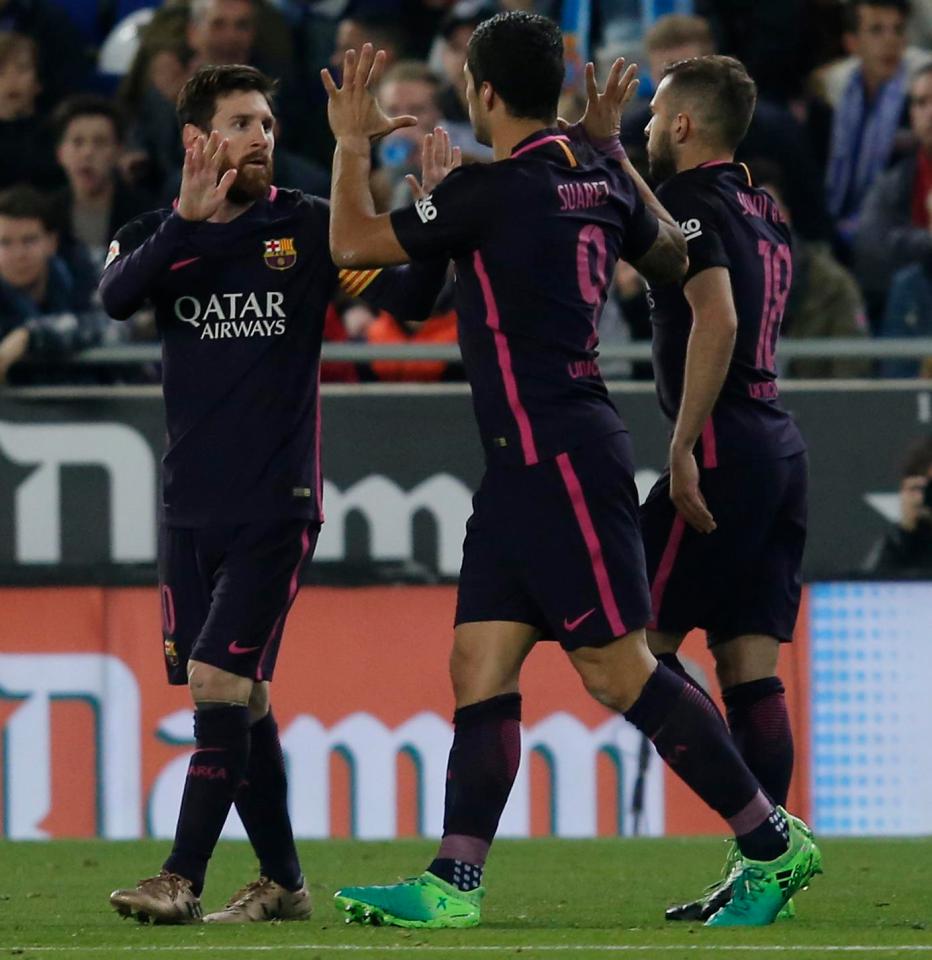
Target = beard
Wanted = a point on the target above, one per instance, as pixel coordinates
(252, 182)
(660, 158)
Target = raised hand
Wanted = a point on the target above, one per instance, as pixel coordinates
(602, 118)
(438, 158)
(203, 188)
(352, 109)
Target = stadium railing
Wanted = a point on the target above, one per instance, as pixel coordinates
(790, 349)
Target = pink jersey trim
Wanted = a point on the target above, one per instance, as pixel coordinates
(273, 193)
(178, 264)
(709, 446)
(584, 519)
(539, 143)
(292, 593)
(504, 363)
(317, 456)
(667, 560)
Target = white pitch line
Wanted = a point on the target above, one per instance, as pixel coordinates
(484, 948)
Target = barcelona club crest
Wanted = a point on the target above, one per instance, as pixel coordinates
(280, 254)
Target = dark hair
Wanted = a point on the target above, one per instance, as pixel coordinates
(724, 91)
(24, 202)
(521, 56)
(918, 458)
(852, 16)
(87, 105)
(197, 102)
(382, 31)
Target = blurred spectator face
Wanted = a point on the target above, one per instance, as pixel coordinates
(415, 98)
(19, 81)
(223, 31)
(453, 56)
(26, 247)
(879, 41)
(167, 74)
(920, 110)
(88, 153)
(246, 121)
(659, 60)
(351, 35)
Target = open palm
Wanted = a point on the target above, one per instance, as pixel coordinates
(352, 109)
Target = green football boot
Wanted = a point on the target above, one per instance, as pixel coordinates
(762, 889)
(714, 897)
(424, 901)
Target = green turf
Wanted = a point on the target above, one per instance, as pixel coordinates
(547, 898)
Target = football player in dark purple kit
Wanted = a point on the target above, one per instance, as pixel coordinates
(553, 548)
(240, 276)
(725, 525)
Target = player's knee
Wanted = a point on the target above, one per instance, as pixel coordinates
(615, 675)
(477, 674)
(745, 659)
(210, 684)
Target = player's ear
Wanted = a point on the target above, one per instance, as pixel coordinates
(487, 95)
(682, 126)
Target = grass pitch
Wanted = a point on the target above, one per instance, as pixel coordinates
(556, 899)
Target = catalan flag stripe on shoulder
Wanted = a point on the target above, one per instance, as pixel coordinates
(353, 282)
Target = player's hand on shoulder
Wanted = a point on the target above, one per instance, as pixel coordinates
(203, 187)
(352, 109)
(438, 159)
(685, 492)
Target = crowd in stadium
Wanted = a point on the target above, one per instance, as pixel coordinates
(842, 137)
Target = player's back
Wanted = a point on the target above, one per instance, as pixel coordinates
(535, 238)
(729, 223)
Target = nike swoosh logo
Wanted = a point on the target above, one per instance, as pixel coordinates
(571, 625)
(178, 264)
(234, 647)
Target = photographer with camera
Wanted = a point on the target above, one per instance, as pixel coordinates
(906, 548)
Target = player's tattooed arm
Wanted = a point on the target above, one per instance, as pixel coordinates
(359, 237)
(708, 355)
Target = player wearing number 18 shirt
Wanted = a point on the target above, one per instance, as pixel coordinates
(725, 525)
(553, 548)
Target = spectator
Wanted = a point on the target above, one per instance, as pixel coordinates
(870, 127)
(774, 133)
(27, 151)
(824, 299)
(96, 202)
(231, 31)
(450, 56)
(896, 223)
(908, 314)
(408, 88)
(773, 40)
(352, 32)
(66, 63)
(147, 96)
(46, 309)
(906, 548)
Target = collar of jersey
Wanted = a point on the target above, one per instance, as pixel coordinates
(539, 138)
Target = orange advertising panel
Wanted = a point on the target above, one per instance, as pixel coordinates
(96, 743)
